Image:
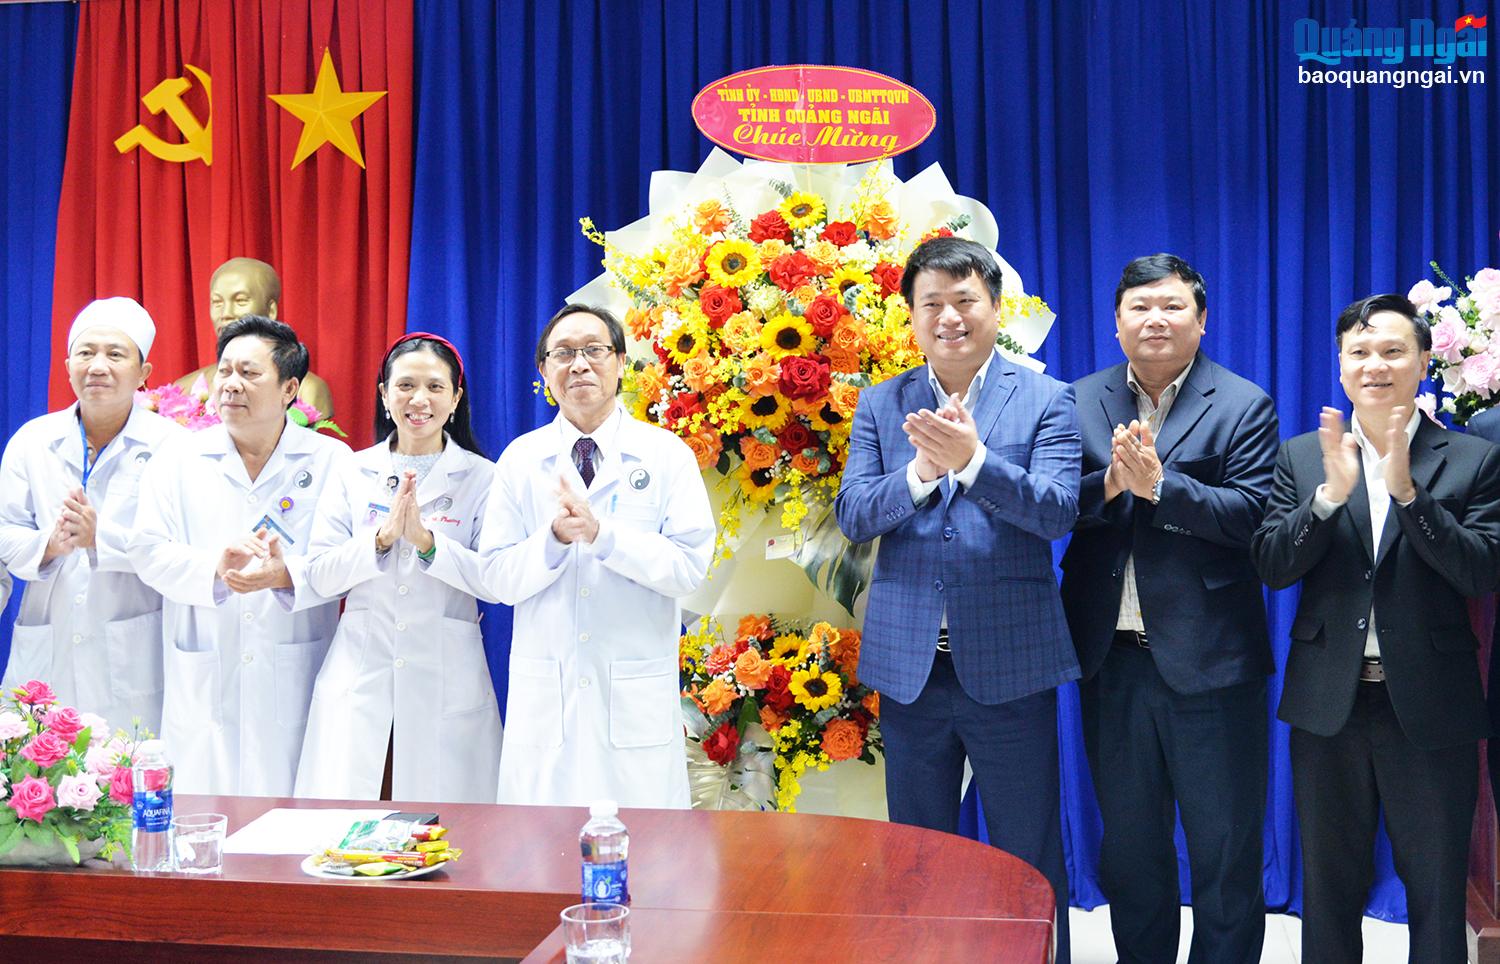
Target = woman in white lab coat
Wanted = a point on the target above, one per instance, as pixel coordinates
(407, 668)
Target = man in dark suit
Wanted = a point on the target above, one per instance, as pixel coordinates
(1169, 620)
(1486, 425)
(1388, 526)
(967, 469)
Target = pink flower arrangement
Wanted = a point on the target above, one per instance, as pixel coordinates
(61, 772)
(1465, 350)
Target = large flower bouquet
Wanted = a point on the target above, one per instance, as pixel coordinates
(794, 682)
(1465, 339)
(194, 409)
(63, 779)
(767, 306)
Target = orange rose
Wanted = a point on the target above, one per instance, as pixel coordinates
(650, 382)
(741, 333)
(757, 454)
(754, 627)
(804, 294)
(841, 360)
(872, 704)
(844, 397)
(843, 740)
(706, 445)
(638, 323)
(752, 670)
(683, 269)
(717, 697)
(848, 335)
(698, 372)
(824, 255)
(771, 719)
(710, 216)
(880, 221)
(802, 463)
(762, 374)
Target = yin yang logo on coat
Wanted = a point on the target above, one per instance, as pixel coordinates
(303, 479)
(444, 504)
(639, 479)
(141, 458)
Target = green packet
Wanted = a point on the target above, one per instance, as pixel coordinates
(378, 835)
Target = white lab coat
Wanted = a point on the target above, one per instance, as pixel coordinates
(408, 645)
(594, 708)
(87, 624)
(239, 668)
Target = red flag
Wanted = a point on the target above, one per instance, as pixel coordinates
(199, 177)
(1469, 20)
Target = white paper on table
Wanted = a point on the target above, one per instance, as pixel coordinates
(296, 831)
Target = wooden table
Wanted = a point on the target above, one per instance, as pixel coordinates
(723, 886)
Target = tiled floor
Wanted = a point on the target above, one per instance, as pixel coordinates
(1092, 944)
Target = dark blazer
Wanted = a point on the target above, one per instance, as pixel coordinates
(1432, 554)
(985, 553)
(1203, 604)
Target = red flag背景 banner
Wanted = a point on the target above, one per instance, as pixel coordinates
(273, 129)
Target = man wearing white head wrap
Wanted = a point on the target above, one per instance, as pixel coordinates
(68, 487)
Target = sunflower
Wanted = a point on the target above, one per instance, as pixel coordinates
(770, 411)
(815, 689)
(733, 263)
(688, 341)
(758, 484)
(802, 210)
(786, 334)
(847, 277)
(786, 645)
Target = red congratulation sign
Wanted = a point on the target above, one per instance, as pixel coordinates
(812, 114)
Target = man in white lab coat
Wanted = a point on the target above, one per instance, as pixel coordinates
(222, 532)
(69, 481)
(597, 524)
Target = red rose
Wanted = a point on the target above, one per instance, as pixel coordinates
(792, 270)
(718, 304)
(768, 226)
(722, 744)
(662, 355)
(121, 785)
(803, 377)
(776, 695)
(889, 276)
(797, 436)
(840, 233)
(682, 407)
(823, 314)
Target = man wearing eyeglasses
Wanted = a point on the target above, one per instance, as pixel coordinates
(596, 525)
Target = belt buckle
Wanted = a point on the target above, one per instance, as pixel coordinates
(1133, 637)
(1372, 671)
(942, 642)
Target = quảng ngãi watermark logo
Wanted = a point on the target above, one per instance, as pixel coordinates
(1433, 55)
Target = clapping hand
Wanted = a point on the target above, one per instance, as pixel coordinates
(1341, 457)
(575, 521)
(270, 574)
(1134, 465)
(76, 527)
(945, 439)
(1398, 457)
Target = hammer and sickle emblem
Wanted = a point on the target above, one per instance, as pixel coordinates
(197, 139)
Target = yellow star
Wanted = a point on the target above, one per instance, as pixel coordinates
(327, 114)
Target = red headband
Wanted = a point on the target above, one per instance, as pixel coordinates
(413, 336)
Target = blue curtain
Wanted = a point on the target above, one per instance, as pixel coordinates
(1096, 132)
(36, 80)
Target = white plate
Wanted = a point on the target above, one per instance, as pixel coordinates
(314, 869)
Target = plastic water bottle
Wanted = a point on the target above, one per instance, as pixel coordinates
(151, 778)
(605, 845)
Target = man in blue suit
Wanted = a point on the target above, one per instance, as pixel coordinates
(966, 468)
(1168, 616)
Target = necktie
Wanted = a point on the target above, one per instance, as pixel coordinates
(583, 457)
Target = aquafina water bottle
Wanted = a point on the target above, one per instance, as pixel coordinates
(151, 778)
(605, 846)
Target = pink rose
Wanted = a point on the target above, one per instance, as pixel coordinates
(1425, 296)
(65, 722)
(36, 693)
(12, 725)
(98, 727)
(1481, 371)
(121, 787)
(31, 799)
(78, 792)
(1450, 336)
(1486, 279)
(1487, 303)
(100, 759)
(45, 749)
